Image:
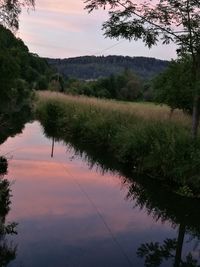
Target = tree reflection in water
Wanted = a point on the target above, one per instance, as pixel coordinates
(15, 111)
(161, 205)
(7, 249)
(171, 208)
(154, 253)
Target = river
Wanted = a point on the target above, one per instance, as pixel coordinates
(71, 213)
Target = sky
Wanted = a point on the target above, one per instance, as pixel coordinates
(63, 29)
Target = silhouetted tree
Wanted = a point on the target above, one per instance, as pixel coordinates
(10, 10)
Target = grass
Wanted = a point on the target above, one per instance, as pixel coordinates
(144, 110)
(140, 136)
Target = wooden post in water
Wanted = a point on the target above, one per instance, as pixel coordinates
(52, 147)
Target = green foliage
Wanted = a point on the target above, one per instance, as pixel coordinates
(9, 72)
(20, 71)
(42, 83)
(174, 86)
(167, 21)
(161, 150)
(17, 62)
(54, 115)
(16, 94)
(185, 191)
(56, 82)
(124, 86)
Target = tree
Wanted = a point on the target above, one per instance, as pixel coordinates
(123, 86)
(175, 21)
(173, 87)
(131, 86)
(58, 82)
(10, 10)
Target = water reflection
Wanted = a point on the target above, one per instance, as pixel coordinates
(182, 214)
(14, 113)
(154, 253)
(61, 229)
(13, 117)
(7, 248)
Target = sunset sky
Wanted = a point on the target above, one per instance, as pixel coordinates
(64, 29)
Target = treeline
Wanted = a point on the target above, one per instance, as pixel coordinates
(123, 86)
(92, 67)
(173, 86)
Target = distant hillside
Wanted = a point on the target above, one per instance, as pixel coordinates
(92, 67)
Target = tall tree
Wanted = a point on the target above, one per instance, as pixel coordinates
(10, 10)
(175, 21)
(173, 86)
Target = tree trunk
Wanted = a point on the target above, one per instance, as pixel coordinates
(181, 234)
(196, 100)
(195, 116)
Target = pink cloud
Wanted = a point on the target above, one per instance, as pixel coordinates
(69, 6)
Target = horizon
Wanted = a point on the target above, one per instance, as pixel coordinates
(106, 56)
(66, 30)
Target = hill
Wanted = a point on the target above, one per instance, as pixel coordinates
(92, 67)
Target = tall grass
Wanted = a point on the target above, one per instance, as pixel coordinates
(142, 137)
(142, 110)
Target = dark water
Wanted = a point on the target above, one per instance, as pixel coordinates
(70, 215)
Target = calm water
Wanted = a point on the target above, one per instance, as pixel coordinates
(70, 215)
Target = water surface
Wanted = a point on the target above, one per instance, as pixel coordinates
(71, 215)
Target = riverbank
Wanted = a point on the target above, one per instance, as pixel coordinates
(141, 137)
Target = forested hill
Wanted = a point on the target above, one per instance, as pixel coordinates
(92, 67)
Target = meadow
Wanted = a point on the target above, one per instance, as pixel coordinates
(142, 137)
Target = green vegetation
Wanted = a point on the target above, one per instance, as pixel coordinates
(124, 86)
(145, 140)
(21, 72)
(18, 63)
(174, 86)
(170, 21)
